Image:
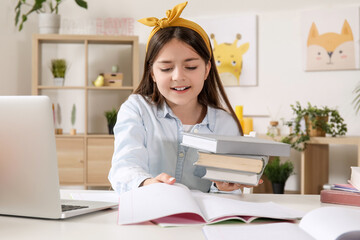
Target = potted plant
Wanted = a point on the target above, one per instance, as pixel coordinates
(278, 173)
(111, 117)
(318, 122)
(47, 10)
(58, 69)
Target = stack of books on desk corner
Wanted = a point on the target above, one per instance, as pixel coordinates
(235, 159)
(345, 194)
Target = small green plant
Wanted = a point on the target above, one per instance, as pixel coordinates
(326, 119)
(356, 100)
(111, 116)
(58, 68)
(73, 115)
(278, 172)
(39, 6)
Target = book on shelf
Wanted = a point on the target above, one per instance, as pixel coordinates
(355, 177)
(175, 205)
(321, 223)
(246, 163)
(235, 144)
(340, 197)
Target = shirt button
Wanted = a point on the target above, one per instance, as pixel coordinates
(181, 154)
(196, 130)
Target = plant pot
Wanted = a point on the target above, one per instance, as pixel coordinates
(59, 82)
(278, 188)
(317, 132)
(49, 23)
(111, 129)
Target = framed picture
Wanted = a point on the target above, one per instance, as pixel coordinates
(330, 39)
(234, 42)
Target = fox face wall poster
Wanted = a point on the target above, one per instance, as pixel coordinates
(331, 39)
(234, 43)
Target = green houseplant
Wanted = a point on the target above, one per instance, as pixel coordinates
(58, 69)
(38, 6)
(319, 121)
(111, 117)
(278, 173)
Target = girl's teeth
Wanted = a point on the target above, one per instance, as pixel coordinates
(180, 89)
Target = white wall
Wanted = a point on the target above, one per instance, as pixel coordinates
(281, 79)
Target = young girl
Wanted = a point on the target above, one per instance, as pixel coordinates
(180, 92)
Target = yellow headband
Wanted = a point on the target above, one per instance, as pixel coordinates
(173, 20)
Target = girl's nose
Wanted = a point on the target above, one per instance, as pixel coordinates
(178, 74)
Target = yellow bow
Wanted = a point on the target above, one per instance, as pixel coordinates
(173, 20)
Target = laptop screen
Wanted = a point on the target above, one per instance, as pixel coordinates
(29, 183)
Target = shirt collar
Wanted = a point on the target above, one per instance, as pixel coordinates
(164, 111)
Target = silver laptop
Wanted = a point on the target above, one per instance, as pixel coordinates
(29, 181)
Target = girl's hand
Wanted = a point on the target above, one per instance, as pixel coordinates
(226, 186)
(161, 178)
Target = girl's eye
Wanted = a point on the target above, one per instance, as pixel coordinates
(191, 68)
(165, 69)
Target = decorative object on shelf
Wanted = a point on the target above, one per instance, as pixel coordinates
(278, 173)
(58, 130)
(239, 113)
(248, 125)
(113, 79)
(58, 70)
(115, 69)
(317, 121)
(356, 100)
(111, 117)
(273, 129)
(50, 7)
(73, 120)
(99, 82)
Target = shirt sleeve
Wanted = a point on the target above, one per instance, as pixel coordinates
(130, 159)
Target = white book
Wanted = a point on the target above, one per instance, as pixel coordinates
(355, 177)
(324, 223)
(225, 175)
(173, 205)
(235, 144)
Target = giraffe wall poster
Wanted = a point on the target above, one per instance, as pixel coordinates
(234, 42)
(330, 39)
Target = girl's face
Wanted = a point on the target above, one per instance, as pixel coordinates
(179, 73)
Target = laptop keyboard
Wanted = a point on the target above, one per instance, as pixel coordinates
(65, 208)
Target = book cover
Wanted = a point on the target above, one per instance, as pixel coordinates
(175, 205)
(340, 197)
(235, 144)
(246, 163)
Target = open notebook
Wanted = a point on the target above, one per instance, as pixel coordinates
(29, 182)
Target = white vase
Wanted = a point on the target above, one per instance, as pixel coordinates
(49, 23)
(59, 82)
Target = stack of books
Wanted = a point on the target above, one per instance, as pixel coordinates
(346, 194)
(234, 159)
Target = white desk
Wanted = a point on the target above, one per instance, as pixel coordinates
(102, 225)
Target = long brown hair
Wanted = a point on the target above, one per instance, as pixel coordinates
(212, 94)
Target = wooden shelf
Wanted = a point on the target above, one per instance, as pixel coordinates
(85, 158)
(315, 160)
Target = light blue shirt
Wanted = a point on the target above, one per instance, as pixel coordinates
(148, 142)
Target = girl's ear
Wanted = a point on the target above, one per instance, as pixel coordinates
(207, 69)
(152, 75)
